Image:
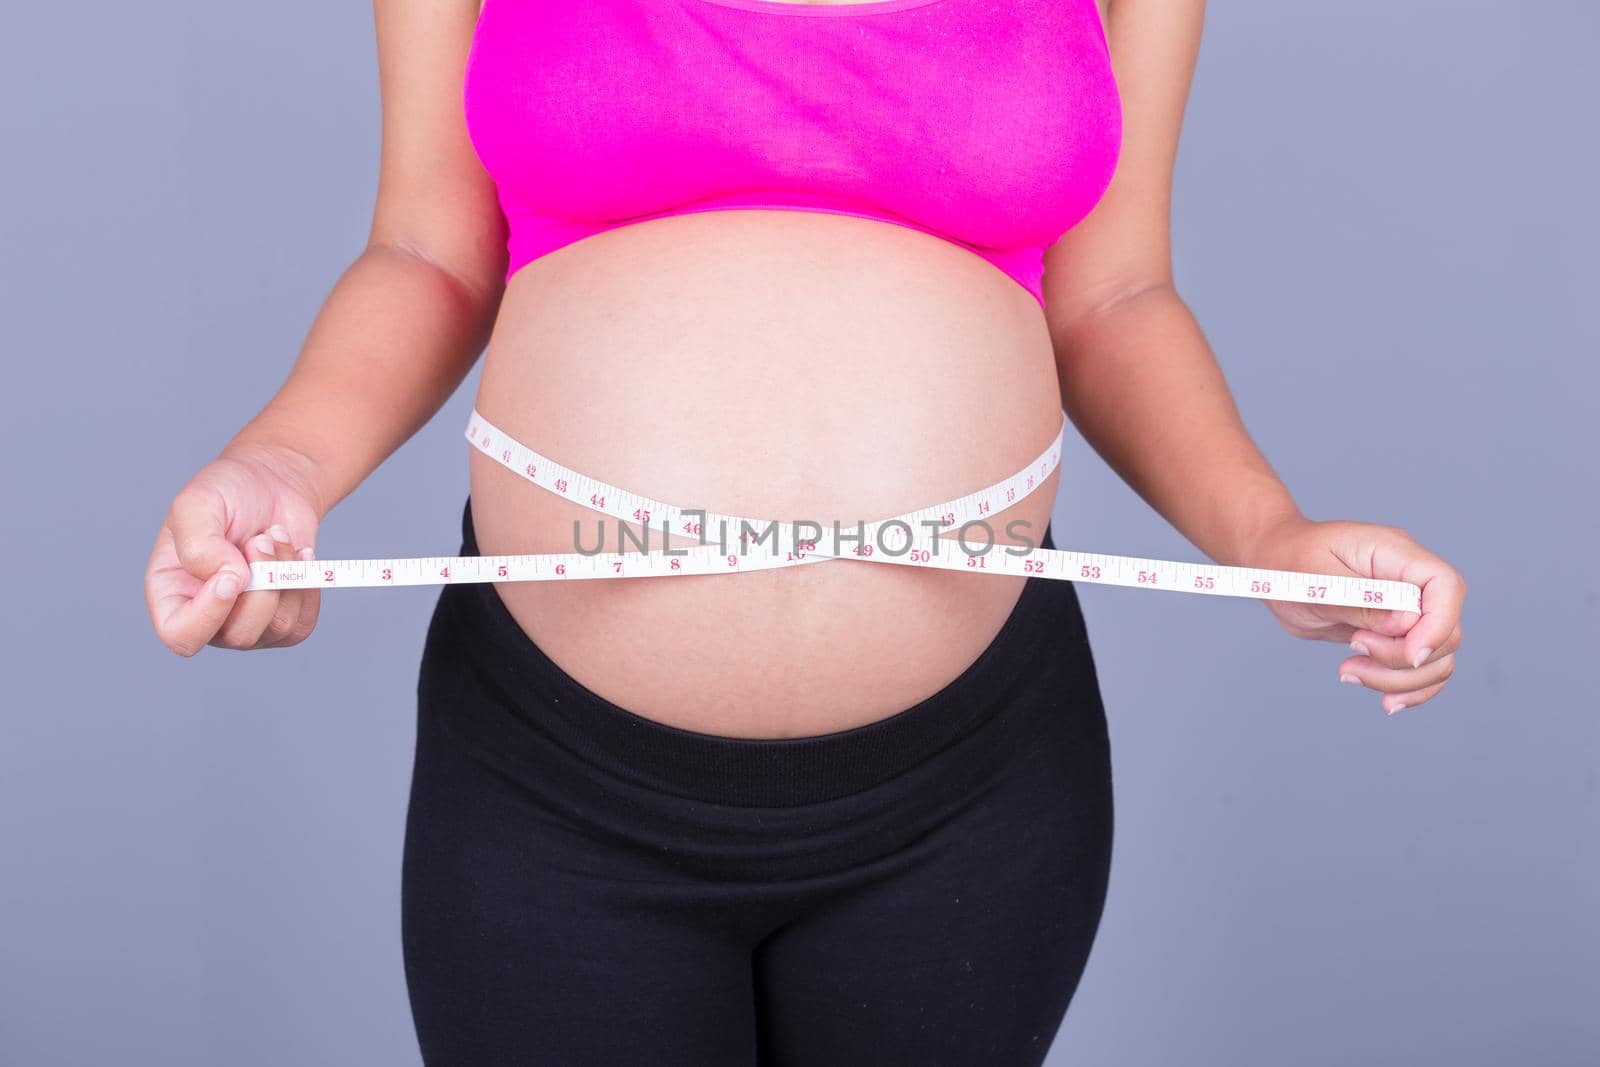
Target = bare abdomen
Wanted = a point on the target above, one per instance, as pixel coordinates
(772, 364)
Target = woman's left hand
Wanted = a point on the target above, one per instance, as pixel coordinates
(1403, 655)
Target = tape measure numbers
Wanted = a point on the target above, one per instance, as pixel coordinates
(729, 544)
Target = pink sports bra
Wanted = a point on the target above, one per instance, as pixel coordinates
(993, 124)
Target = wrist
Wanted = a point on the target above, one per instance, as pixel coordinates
(284, 462)
(1253, 544)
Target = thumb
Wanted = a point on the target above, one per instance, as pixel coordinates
(199, 524)
(1392, 623)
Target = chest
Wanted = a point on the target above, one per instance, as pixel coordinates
(1003, 114)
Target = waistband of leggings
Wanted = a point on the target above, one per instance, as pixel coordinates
(734, 770)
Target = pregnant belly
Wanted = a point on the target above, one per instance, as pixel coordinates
(776, 365)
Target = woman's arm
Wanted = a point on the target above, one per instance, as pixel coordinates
(397, 333)
(1140, 382)
(406, 321)
(1137, 376)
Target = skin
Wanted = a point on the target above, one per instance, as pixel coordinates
(849, 300)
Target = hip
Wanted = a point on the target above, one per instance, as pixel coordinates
(1031, 694)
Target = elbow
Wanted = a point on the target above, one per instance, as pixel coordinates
(1133, 293)
(479, 281)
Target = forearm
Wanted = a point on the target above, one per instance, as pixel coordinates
(393, 340)
(1141, 384)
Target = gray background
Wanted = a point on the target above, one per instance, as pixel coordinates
(1385, 221)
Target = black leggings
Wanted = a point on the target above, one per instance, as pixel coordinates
(586, 886)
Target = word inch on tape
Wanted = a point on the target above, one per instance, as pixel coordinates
(893, 541)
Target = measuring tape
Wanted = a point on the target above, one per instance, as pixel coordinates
(728, 544)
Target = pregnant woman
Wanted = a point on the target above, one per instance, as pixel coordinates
(830, 261)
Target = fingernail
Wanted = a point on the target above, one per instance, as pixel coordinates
(1422, 654)
(306, 553)
(1359, 648)
(264, 544)
(1349, 679)
(278, 533)
(228, 584)
(1396, 709)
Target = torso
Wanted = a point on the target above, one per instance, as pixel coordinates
(773, 364)
(647, 357)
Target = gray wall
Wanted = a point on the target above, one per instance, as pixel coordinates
(1385, 219)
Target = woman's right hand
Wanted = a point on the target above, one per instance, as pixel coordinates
(249, 504)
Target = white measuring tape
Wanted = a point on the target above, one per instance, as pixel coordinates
(728, 544)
